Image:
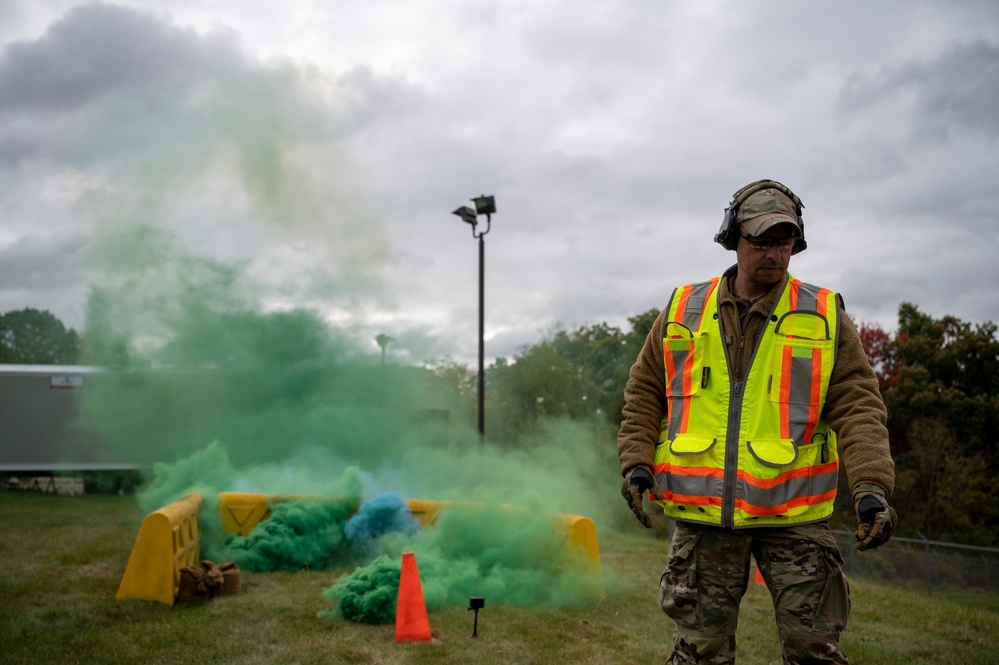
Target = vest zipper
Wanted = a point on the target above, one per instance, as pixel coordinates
(732, 455)
(731, 472)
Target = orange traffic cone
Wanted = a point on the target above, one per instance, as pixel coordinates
(759, 577)
(411, 622)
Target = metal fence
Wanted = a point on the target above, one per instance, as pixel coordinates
(921, 562)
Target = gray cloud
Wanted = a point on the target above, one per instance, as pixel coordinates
(98, 49)
(327, 150)
(956, 92)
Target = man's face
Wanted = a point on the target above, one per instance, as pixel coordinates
(762, 268)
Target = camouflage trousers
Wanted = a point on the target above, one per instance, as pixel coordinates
(708, 573)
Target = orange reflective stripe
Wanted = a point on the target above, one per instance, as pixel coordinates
(677, 470)
(813, 406)
(692, 500)
(797, 502)
(822, 301)
(768, 483)
(793, 293)
(707, 296)
(785, 393)
(688, 367)
(670, 373)
(681, 305)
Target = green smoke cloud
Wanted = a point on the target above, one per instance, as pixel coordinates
(299, 534)
(240, 368)
(509, 555)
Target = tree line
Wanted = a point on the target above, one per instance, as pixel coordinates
(939, 378)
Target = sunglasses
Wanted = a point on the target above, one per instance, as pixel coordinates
(764, 244)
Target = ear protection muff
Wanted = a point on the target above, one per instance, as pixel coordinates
(728, 234)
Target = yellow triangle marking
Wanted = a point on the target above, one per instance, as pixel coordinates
(241, 514)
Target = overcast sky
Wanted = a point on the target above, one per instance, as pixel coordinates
(315, 150)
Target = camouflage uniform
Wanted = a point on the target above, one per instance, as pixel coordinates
(707, 575)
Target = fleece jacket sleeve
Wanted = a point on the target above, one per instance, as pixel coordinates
(644, 404)
(856, 412)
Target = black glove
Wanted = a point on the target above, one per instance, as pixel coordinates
(877, 520)
(639, 481)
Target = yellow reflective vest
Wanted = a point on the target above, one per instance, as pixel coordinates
(757, 452)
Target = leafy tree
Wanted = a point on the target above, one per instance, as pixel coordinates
(882, 352)
(539, 383)
(456, 383)
(944, 491)
(940, 382)
(35, 337)
(948, 369)
(579, 374)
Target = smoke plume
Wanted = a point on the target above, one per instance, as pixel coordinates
(251, 367)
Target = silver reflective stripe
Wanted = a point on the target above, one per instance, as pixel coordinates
(690, 485)
(808, 297)
(677, 417)
(799, 399)
(679, 358)
(676, 392)
(795, 487)
(801, 373)
(695, 305)
(676, 395)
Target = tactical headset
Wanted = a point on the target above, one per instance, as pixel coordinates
(728, 235)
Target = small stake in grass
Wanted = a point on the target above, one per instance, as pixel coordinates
(476, 603)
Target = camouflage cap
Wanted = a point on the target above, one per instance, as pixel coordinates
(767, 208)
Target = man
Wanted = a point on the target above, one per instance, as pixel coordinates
(749, 390)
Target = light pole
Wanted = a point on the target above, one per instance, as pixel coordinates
(383, 341)
(484, 205)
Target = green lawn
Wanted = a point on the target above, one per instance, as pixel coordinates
(64, 556)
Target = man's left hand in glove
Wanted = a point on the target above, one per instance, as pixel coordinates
(876, 518)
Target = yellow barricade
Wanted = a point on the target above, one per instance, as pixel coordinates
(582, 536)
(242, 511)
(169, 539)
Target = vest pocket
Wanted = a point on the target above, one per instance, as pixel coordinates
(776, 453)
(690, 444)
(797, 371)
(683, 355)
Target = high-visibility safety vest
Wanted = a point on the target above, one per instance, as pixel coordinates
(756, 452)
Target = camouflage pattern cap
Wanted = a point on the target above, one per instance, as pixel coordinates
(767, 208)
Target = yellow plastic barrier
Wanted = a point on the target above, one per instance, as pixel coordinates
(169, 539)
(582, 534)
(242, 511)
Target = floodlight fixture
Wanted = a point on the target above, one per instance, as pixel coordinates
(467, 215)
(485, 205)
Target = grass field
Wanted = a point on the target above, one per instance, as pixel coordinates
(64, 556)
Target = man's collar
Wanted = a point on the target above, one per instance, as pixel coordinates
(726, 291)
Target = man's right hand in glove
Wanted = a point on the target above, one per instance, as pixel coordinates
(639, 481)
